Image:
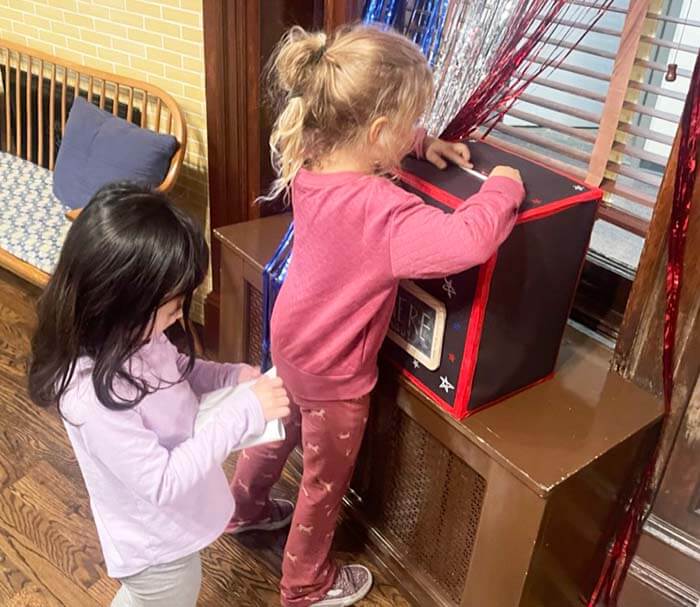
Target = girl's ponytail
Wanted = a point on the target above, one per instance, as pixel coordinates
(291, 70)
(328, 90)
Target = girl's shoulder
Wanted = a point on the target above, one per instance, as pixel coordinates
(388, 195)
(386, 183)
(381, 189)
(310, 182)
(79, 400)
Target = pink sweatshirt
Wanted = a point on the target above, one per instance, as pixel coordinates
(355, 237)
(157, 492)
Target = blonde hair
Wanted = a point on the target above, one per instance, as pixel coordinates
(329, 90)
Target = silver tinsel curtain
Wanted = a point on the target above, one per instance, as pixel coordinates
(469, 41)
(458, 37)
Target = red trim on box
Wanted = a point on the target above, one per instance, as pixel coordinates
(423, 388)
(473, 339)
(431, 190)
(559, 205)
(471, 348)
(455, 202)
(437, 399)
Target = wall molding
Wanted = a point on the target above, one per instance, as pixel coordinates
(664, 584)
(673, 536)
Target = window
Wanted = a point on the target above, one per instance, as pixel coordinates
(609, 115)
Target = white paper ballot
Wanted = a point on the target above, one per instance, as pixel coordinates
(474, 173)
(211, 402)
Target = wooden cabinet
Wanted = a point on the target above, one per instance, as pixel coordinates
(246, 249)
(511, 507)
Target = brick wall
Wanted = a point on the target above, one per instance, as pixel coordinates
(156, 41)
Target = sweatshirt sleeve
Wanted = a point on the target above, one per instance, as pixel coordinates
(207, 376)
(425, 242)
(125, 446)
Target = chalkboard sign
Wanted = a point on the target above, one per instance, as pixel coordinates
(418, 325)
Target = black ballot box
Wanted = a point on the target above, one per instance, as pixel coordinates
(470, 340)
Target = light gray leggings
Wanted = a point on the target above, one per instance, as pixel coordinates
(173, 584)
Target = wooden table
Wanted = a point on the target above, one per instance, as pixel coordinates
(245, 249)
(511, 507)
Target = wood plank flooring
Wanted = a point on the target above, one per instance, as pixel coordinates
(49, 553)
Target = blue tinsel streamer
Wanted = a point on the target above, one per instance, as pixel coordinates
(420, 20)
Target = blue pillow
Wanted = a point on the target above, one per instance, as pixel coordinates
(99, 148)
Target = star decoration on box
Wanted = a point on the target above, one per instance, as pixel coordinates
(449, 288)
(446, 385)
(451, 357)
(416, 364)
(536, 201)
(579, 188)
(456, 326)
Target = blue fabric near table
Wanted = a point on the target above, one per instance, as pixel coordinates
(273, 276)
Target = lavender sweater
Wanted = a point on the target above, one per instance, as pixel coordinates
(157, 492)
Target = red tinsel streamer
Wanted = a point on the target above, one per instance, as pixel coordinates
(518, 62)
(619, 557)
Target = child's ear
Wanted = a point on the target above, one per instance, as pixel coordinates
(376, 129)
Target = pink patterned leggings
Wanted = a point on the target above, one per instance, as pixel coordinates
(330, 434)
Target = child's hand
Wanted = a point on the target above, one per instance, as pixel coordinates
(248, 373)
(503, 171)
(272, 396)
(438, 152)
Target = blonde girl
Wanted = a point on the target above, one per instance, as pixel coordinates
(348, 109)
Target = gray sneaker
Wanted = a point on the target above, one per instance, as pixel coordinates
(280, 517)
(352, 584)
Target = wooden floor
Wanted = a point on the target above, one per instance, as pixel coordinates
(49, 554)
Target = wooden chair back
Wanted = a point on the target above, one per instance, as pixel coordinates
(42, 102)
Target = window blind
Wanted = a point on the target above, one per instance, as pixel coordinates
(607, 114)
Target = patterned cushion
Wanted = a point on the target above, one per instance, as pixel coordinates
(32, 220)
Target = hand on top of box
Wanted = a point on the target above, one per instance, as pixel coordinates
(438, 152)
(505, 171)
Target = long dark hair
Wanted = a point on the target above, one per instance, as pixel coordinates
(129, 252)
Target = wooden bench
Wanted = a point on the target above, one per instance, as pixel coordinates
(36, 92)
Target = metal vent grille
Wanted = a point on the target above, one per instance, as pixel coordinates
(254, 305)
(423, 499)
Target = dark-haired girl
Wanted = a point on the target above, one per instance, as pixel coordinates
(127, 271)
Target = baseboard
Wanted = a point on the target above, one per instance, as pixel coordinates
(658, 581)
(673, 537)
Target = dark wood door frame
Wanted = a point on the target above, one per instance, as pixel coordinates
(236, 40)
(232, 68)
(337, 12)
